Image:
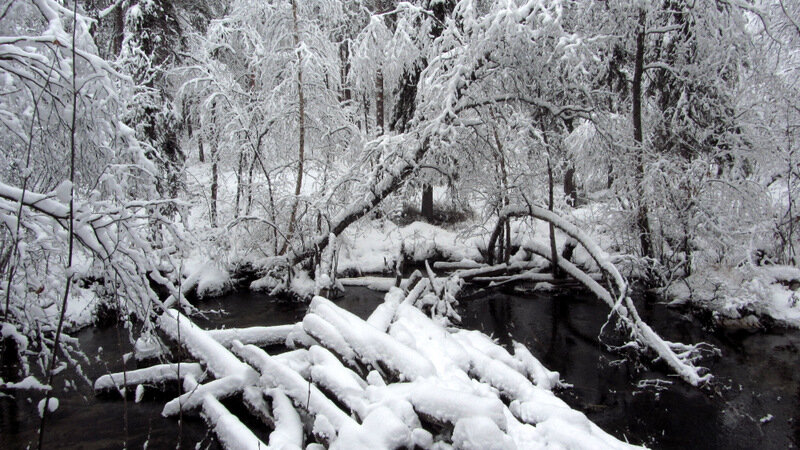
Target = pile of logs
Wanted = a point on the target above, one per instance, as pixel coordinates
(396, 380)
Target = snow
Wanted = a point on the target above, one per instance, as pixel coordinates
(29, 383)
(157, 374)
(733, 293)
(229, 430)
(381, 429)
(147, 346)
(373, 246)
(52, 405)
(288, 432)
(372, 344)
(8, 330)
(260, 336)
(372, 282)
(417, 371)
(139, 393)
(207, 275)
(479, 433)
(277, 375)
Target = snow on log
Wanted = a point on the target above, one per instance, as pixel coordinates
(484, 271)
(480, 433)
(298, 338)
(541, 375)
(383, 314)
(230, 431)
(534, 405)
(304, 394)
(260, 336)
(202, 346)
(454, 380)
(221, 388)
(598, 290)
(288, 433)
(414, 329)
(344, 384)
(642, 332)
(450, 406)
(460, 265)
(233, 375)
(374, 283)
(327, 335)
(157, 374)
(381, 430)
(372, 345)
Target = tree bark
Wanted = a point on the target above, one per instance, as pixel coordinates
(201, 155)
(239, 184)
(301, 123)
(344, 54)
(214, 177)
(379, 121)
(553, 249)
(570, 189)
(427, 202)
(642, 220)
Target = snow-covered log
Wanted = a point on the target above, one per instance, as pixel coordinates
(158, 374)
(260, 336)
(484, 271)
(460, 265)
(304, 394)
(371, 345)
(201, 345)
(445, 380)
(230, 431)
(288, 432)
(328, 372)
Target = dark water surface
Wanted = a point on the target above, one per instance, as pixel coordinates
(85, 421)
(758, 375)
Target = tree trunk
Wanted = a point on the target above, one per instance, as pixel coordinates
(344, 54)
(504, 201)
(379, 122)
(642, 220)
(249, 203)
(239, 184)
(553, 248)
(427, 202)
(214, 176)
(201, 155)
(301, 123)
(570, 190)
(119, 29)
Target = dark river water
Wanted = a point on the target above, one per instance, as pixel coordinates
(757, 376)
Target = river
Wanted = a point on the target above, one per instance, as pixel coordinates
(754, 401)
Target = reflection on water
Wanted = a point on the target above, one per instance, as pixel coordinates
(757, 375)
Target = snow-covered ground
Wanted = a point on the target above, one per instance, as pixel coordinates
(737, 296)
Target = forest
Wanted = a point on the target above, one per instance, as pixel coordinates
(435, 224)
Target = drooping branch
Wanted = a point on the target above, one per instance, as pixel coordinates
(620, 303)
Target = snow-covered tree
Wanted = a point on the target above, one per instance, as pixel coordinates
(77, 197)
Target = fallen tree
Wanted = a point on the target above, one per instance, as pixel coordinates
(679, 357)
